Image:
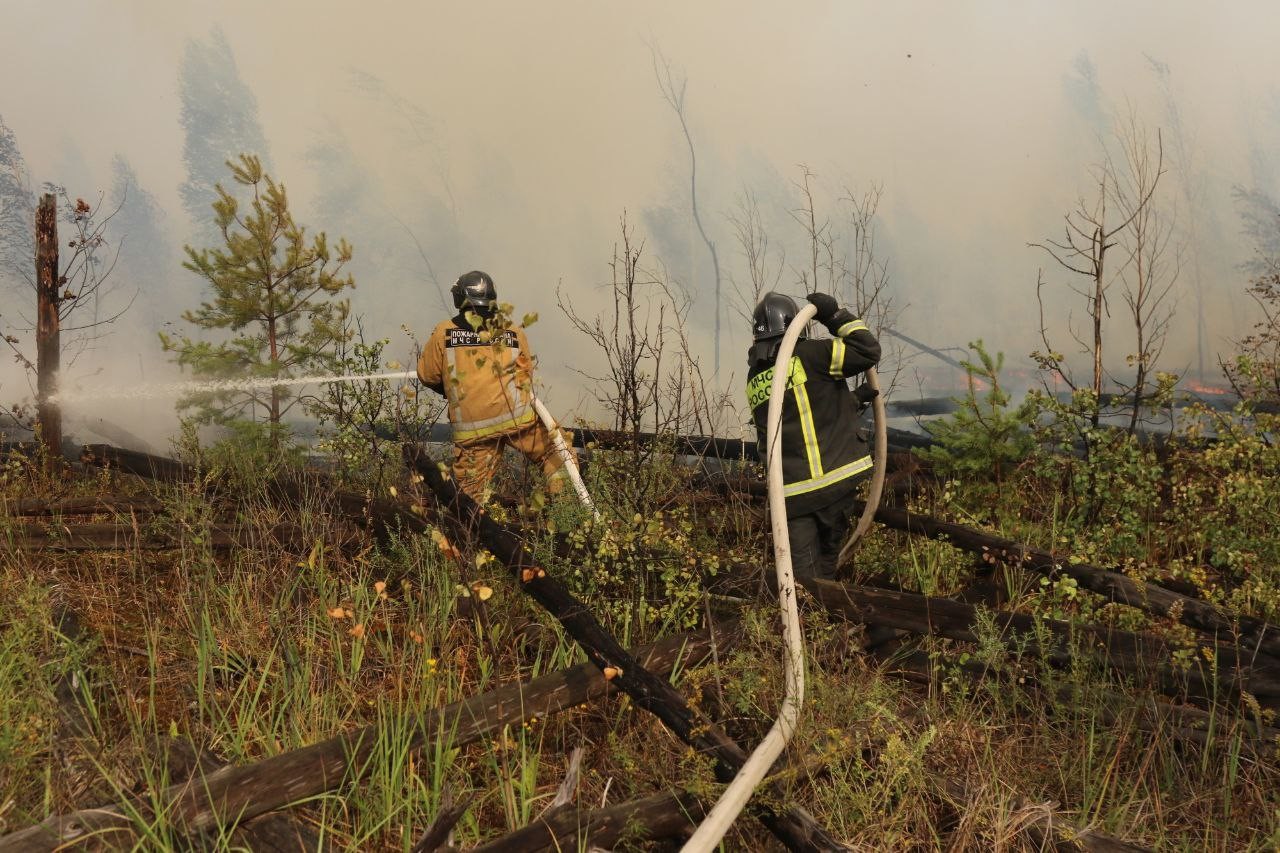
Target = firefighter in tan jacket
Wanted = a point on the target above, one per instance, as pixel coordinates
(486, 374)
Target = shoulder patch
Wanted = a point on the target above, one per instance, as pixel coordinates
(760, 386)
(456, 337)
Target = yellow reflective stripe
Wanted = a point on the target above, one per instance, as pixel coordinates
(844, 472)
(810, 432)
(837, 358)
(852, 326)
(490, 426)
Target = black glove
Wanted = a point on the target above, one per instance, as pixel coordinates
(865, 394)
(826, 305)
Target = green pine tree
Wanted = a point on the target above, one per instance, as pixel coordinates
(274, 291)
(984, 437)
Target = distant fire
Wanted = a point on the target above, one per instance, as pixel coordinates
(1202, 388)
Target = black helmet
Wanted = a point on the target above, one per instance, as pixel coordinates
(475, 291)
(774, 313)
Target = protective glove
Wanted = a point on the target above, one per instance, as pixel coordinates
(865, 394)
(827, 306)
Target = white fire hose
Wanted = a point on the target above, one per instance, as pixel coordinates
(566, 454)
(880, 454)
(734, 799)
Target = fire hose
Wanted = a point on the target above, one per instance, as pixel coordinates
(731, 803)
(735, 796)
(880, 454)
(566, 454)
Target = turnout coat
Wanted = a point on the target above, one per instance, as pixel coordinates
(822, 452)
(486, 375)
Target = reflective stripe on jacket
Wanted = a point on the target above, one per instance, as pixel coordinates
(822, 453)
(486, 376)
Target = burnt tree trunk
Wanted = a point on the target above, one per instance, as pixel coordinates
(792, 825)
(227, 796)
(48, 337)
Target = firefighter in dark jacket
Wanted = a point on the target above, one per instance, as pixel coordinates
(823, 455)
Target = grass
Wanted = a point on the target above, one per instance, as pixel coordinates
(262, 650)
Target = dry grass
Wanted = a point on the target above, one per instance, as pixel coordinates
(251, 653)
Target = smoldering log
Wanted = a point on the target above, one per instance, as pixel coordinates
(1213, 670)
(661, 816)
(792, 826)
(232, 794)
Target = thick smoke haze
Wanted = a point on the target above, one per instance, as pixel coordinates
(511, 137)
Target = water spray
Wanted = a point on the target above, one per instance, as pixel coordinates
(213, 386)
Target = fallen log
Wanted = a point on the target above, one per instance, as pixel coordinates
(437, 835)
(792, 826)
(110, 536)
(1251, 634)
(136, 462)
(233, 794)
(1151, 597)
(661, 816)
(1180, 722)
(281, 832)
(380, 516)
(93, 505)
(1212, 670)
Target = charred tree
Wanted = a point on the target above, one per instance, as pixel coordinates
(48, 334)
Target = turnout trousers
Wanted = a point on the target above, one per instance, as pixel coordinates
(476, 462)
(816, 538)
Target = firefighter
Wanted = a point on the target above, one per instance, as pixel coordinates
(823, 455)
(483, 368)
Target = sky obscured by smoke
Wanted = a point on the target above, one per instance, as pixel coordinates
(511, 137)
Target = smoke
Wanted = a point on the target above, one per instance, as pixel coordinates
(444, 137)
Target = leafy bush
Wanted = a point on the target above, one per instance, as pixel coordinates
(644, 572)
